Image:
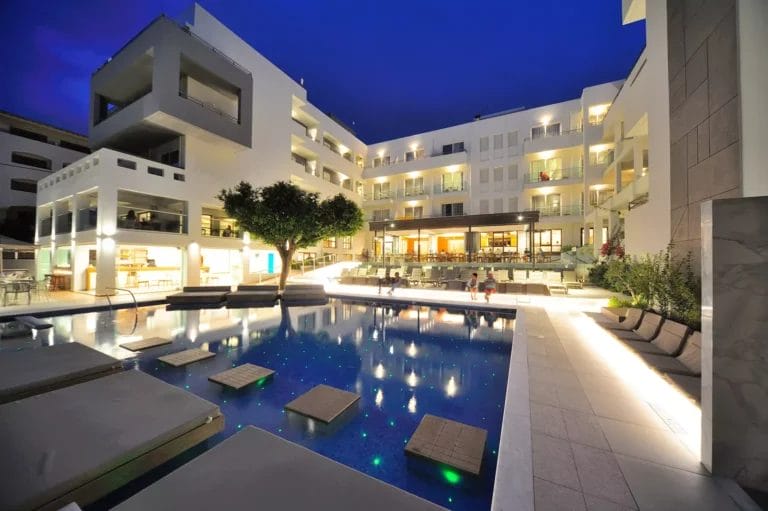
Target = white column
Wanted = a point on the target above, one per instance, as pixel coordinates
(106, 248)
(192, 260)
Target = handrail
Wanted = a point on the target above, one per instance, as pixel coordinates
(135, 305)
(208, 106)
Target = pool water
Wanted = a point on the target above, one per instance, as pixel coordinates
(403, 361)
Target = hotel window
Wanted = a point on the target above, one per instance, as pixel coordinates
(456, 147)
(498, 174)
(414, 212)
(414, 186)
(170, 158)
(498, 142)
(453, 182)
(307, 322)
(414, 155)
(483, 144)
(537, 132)
(553, 130)
(346, 242)
(455, 209)
(546, 170)
(498, 205)
(385, 160)
(548, 205)
(31, 160)
(484, 207)
(360, 188)
(24, 185)
(155, 171)
(548, 240)
(126, 164)
(376, 162)
(512, 139)
(379, 215)
(329, 243)
(483, 175)
(513, 204)
(381, 191)
(512, 172)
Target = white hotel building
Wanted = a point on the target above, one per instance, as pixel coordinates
(184, 110)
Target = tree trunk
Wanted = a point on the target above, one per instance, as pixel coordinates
(285, 256)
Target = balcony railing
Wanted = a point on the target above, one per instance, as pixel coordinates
(135, 217)
(564, 210)
(443, 188)
(555, 175)
(86, 219)
(210, 107)
(303, 126)
(561, 133)
(379, 195)
(220, 233)
(411, 192)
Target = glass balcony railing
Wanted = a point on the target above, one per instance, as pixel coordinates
(555, 175)
(86, 219)
(563, 210)
(150, 220)
(389, 194)
(411, 192)
(221, 232)
(450, 188)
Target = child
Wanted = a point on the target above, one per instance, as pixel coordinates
(394, 283)
(490, 286)
(472, 286)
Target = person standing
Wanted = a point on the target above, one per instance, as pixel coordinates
(490, 286)
(472, 285)
(394, 283)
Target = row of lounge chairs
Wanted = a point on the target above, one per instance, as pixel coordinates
(540, 282)
(669, 347)
(76, 427)
(247, 296)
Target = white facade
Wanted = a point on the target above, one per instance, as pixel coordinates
(141, 211)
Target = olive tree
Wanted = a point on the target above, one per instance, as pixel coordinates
(289, 218)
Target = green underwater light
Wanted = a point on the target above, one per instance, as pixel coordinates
(376, 461)
(450, 476)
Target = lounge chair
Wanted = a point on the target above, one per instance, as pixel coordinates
(647, 330)
(250, 296)
(304, 294)
(668, 342)
(373, 280)
(199, 296)
(236, 474)
(688, 363)
(570, 280)
(631, 320)
(416, 276)
(34, 371)
(554, 280)
(79, 443)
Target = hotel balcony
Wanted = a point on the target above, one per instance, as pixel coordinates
(631, 194)
(557, 176)
(573, 210)
(549, 142)
(168, 82)
(435, 161)
(442, 189)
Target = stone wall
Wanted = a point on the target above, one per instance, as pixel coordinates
(704, 113)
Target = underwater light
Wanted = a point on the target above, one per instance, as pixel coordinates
(450, 476)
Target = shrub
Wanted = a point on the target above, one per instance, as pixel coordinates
(615, 301)
(596, 275)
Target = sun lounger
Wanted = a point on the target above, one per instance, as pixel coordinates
(33, 371)
(304, 294)
(570, 281)
(80, 443)
(669, 341)
(647, 330)
(237, 474)
(688, 363)
(618, 319)
(250, 296)
(199, 296)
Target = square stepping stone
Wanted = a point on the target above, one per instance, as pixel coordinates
(323, 403)
(144, 344)
(242, 375)
(182, 358)
(445, 441)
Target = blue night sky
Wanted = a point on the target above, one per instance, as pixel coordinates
(389, 69)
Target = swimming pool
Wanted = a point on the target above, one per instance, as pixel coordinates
(404, 361)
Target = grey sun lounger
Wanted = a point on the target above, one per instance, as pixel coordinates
(688, 363)
(80, 443)
(245, 296)
(304, 294)
(631, 320)
(255, 469)
(33, 371)
(199, 296)
(647, 330)
(669, 341)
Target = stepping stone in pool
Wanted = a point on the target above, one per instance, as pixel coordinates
(241, 376)
(145, 344)
(445, 441)
(323, 403)
(182, 358)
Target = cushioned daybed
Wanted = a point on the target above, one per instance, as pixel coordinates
(80, 443)
(253, 296)
(255, 469)
(304, 294)
(199, 296)
(33, 371)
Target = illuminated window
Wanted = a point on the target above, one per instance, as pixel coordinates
(414, 186)
(346, 242)
(329, 243)
(414, 212)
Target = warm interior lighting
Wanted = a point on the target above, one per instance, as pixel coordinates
(414, 146)
(380, 153)
(379, 372)
(598, 148)
(412, 380)
(451, 168)
(451, 387)
(597, 110)
(546, 119)
(412, 351)
(379, 398)
(412, 404)
(544, 155)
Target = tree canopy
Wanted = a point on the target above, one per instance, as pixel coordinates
(289, 218)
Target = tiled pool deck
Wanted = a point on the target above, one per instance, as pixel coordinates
(586, 425)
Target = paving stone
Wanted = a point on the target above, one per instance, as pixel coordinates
(445, 441)
(145, 344)
(600, 475)
(553, 461)
(548, 420)
(552, 497)
(323, 403)
(583, 428)
(182, 358)
(598, 504)
(241, 376)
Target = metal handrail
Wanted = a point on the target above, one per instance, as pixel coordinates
(209, 107)
(135, 305)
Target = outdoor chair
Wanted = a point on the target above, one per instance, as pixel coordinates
(416, 276)
(502, 275)
(631, 321)
(647, 331)
(668, 342)
(570, 280)
(519, 276)
(535, 276)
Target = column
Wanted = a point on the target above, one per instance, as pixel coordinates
(191, 261)
(106, 245)
(734, 352)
